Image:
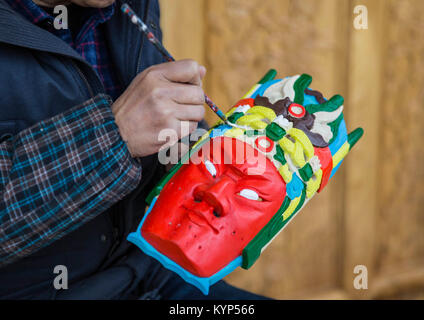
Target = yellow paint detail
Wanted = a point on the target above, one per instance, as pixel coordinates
(205, 136)
(298, 156)
(301, 150)
(247, 119)
(285, 173)
(255, 116)
(258, 125)
(312, 185)
(292, 206)
(340, 154)
(303, 139)
(286, 145)
(295, 150)
(252, 120)
(229, 113)
(265, 112)
(218, 123)
(251, 91)
(234, 132)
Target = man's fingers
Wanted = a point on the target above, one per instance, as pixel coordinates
(192, 126)
(202, 70)
(187, 94)
(184, 71)
(190, 112)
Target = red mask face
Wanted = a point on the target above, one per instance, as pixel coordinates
(211, 208)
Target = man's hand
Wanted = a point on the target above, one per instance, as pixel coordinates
(160, 98)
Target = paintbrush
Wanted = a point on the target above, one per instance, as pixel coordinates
(158, 45)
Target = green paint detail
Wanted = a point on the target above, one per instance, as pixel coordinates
(253, 249)
(184, 159)
(274, 131)
(277, 227)
(250, 133)
(299, 87)
(279, 156)
(306, 172)
(270, 75)
(334, 126)
(235, 116)
(329, 106)
(354, 137)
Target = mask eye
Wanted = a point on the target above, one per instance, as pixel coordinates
(210, 167)
(250, 194)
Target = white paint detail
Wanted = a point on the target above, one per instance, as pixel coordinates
(210, 167)
(242, 108)
(283, 123)
(322, 119)
(249, 194)
(315, 164)
(296, 110)
(281, 90)
(264, 143)
(235, 125)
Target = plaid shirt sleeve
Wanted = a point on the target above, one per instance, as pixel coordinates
(59, 174)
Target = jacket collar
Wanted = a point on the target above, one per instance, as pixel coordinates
(123, 38)
(17, 30)
(29, 10)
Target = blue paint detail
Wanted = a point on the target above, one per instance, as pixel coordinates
(219, 131)
(294, 187)
(260, 91)
(340, 139)
(307, 99)
(335, 169)
(310, 99)
(203, 284)
(220, 114)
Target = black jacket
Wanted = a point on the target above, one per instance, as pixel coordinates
(41, 76)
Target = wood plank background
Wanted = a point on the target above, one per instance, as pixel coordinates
(372, 211)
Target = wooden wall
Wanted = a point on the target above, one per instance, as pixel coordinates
(372, 211)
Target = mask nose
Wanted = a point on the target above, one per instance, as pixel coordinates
(215, 195)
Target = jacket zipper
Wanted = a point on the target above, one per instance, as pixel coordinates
(118, 207)
(84, 78)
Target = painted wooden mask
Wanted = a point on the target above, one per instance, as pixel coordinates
(241, 184)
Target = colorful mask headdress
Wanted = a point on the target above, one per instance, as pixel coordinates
(300, 133)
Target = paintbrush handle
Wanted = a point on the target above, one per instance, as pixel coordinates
(158, 45)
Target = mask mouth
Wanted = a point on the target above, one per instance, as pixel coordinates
(198, 218)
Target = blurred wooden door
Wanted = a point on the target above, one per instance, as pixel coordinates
(372, 212)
